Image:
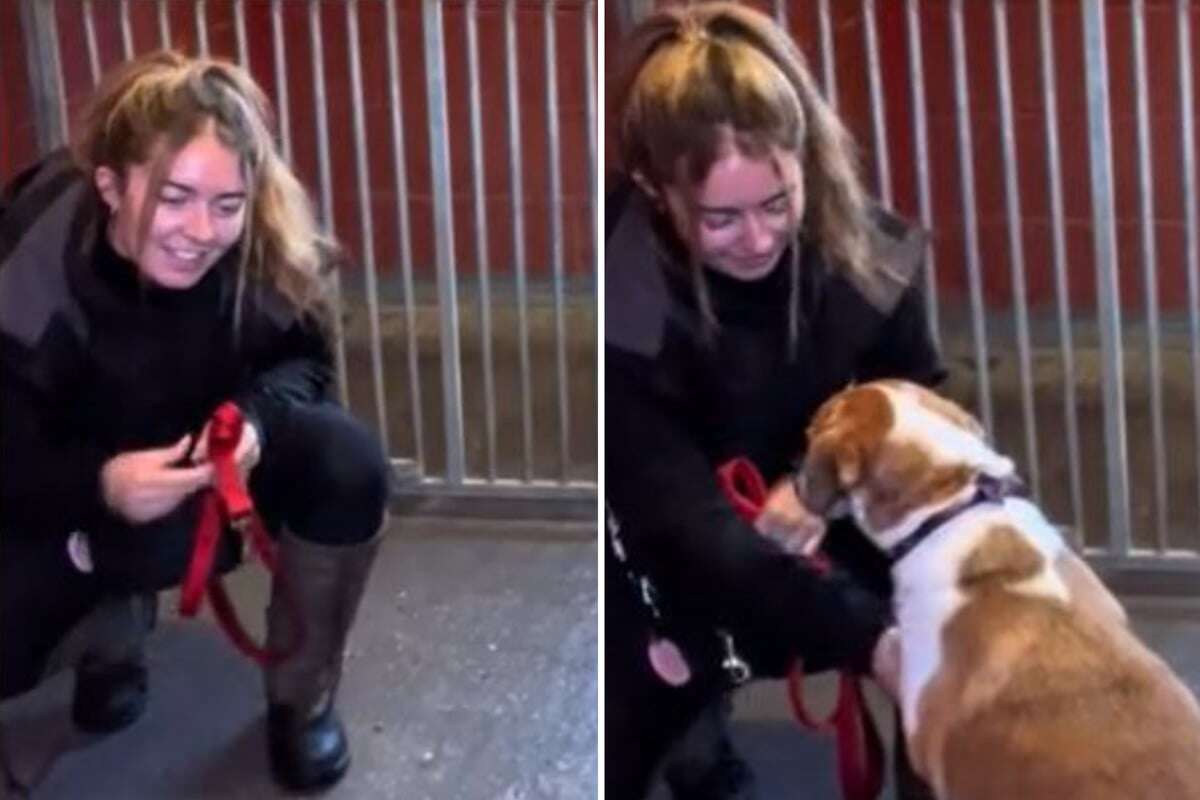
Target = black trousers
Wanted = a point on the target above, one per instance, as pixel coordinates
(322, 474)
(643, 715)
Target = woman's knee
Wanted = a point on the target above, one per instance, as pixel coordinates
(352, 466)
(334, 472)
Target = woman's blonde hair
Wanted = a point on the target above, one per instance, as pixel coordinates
(150, 108)
(695, 80)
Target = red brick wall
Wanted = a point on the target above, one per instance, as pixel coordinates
(18, 144)
(1029, 115)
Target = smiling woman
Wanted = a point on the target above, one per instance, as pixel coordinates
(182, 153)
(748, 278)
(170, 263)
(198, 215)
(746, 209)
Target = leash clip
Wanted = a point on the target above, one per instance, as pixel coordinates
(733, 664)
(614, 534)
(648, 597)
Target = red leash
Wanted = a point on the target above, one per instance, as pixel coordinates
(228, 503)
(859, 748)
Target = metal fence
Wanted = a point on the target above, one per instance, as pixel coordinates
(1073, 331)
(1087, 367)
(521, 428)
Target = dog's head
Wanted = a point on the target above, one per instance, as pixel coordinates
(891, 448)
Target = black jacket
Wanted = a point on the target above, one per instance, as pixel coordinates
(677, 406)
(93, 362)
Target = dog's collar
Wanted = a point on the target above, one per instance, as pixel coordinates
(988, 489)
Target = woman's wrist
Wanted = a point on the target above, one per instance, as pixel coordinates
(885, 662)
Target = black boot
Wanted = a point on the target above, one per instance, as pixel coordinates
(306, 742)
(111, 683)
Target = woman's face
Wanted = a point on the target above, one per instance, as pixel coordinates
(746, 211)
(200, 213)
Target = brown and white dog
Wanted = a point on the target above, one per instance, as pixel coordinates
(1020, 678)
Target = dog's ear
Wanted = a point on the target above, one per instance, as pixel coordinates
(832, 466)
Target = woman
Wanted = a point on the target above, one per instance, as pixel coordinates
(748, 278)
(170, 261)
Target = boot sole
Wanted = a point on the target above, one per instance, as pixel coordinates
(316, 782)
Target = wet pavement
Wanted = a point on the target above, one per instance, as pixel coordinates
(470, 674)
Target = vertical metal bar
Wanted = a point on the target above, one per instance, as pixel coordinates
(323, 169)
(556, 236)
(1105, 242)
(402, 224)
(1149, 272)
(164, 26)
(1187, 108)
(780, 11)
(970, 221)
(1016, 246)
(883, 171)
(916, 80)
(239, 32)
(1059, 250)
(828, 66)
(126, 31)
(201, 28)
(481, 235)
(366, 228)
(281, 79)
(518, 231)
(631, 12)
(89, 36)
(625, 18)
(443, 215)
(589, 99)
(45, 74)
(316, 39)
(643, 8)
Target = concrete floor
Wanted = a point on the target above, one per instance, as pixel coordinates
(471, 674)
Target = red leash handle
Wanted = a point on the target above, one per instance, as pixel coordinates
(208, 533)
(744, 487)
(228, 503)
(224, 433)
(859, 749)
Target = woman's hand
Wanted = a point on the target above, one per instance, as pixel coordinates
(885, 662)
(785, 519)
(246, 455)
(144, 485)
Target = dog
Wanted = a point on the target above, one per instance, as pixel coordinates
(1020, 678)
